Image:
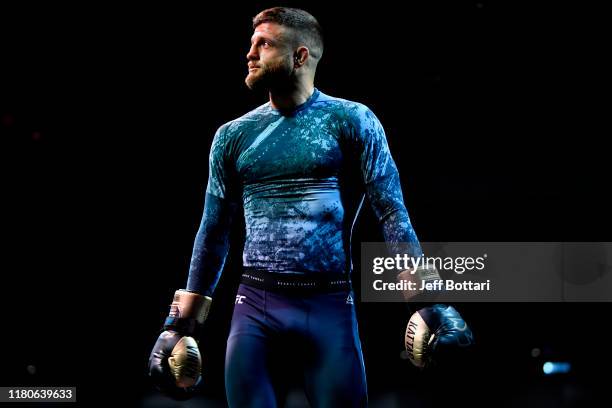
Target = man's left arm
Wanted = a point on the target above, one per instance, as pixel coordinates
(435, 332)
(382, 184)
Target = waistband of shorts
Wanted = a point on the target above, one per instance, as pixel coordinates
(296, 283)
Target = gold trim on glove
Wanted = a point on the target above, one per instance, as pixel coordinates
(189, 305)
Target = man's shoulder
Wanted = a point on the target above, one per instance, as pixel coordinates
(346, 108)
(251, 118)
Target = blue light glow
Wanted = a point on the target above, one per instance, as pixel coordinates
(556, 368)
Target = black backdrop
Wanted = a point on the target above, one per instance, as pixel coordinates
(492, 112)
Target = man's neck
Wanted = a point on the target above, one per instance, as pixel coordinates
(289, 99)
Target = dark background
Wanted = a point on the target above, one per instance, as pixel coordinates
(493, 112)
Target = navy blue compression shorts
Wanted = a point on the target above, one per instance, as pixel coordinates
(277, 336)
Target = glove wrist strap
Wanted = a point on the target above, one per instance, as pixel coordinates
(187, 327)
(188, 312)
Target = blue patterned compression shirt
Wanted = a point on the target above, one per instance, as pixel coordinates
(301, 177)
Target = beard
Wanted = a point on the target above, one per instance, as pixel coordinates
(272, 75)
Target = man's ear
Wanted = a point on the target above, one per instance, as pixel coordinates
(300, 56)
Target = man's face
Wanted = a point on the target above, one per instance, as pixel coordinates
(269, 58)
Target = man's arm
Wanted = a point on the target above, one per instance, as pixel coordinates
(384, 192)
(175, 362)
(212, 240)
(434, 333)
(382, 184)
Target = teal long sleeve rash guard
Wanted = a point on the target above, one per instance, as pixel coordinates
(301, 177)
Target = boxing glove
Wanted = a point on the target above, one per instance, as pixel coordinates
(175, 363)
(435, 334)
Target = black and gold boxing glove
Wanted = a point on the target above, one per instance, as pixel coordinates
(175, 364)
(436, 334)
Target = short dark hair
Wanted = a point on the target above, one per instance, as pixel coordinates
(306, 27)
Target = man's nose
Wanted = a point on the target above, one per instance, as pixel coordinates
(252, 54)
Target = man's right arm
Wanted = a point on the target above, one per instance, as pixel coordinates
(212, 240)
(211, 245)
(175, 362)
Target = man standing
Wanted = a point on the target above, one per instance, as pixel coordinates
(292, 164)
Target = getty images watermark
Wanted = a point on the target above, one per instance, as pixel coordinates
(487, 272)
(417, 274)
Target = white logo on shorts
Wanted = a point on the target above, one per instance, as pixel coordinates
(239, 299)
(349, 300)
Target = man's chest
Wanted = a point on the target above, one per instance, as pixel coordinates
(289, 148)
